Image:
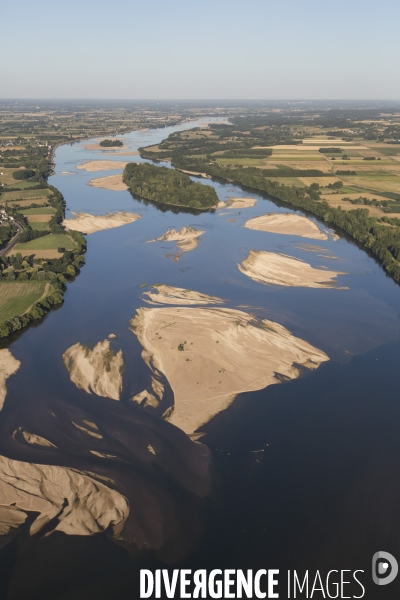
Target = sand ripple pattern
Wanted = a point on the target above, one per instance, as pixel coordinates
(64, 499)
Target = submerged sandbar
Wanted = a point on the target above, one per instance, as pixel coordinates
(167, 294)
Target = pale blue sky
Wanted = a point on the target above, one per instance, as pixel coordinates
(161, 49)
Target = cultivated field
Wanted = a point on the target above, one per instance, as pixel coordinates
(46, 210)
(25, 194)
(17, 298)
(46, 246)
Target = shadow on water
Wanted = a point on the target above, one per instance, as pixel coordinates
(165, 208)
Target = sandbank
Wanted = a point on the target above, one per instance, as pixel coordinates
(86, 223)
(287, 224)
(112, 182)
(167, 294)
(151, 397)
(64, 500)
(97, 370)
(38, 440)
(8, 366)
(232, 203)
(196, 173)
(187, 238)
(102, 165)
(279, 269)
(209, 355)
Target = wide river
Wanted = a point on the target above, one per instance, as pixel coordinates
(305, 474)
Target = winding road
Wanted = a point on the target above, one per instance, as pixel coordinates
(13, 240)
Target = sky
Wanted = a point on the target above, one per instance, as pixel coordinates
(190, 49)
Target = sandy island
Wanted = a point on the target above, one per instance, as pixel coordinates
(8, 366)
(186, 239)
(167, 294)
(86, 223)
(102, 165)
(196, 173)
(232, 203)
(64, 500)
(112, 182)
(209, 355)
(288, 224)
(97, 370)
(279, 269)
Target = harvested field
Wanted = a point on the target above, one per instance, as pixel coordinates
(39, 218)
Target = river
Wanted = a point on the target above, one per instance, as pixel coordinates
(304, 474)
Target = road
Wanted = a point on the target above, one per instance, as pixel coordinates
(13, 240)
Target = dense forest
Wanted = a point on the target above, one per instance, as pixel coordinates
(168, 186)
(111, 143)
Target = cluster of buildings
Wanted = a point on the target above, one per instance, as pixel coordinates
(5, 219)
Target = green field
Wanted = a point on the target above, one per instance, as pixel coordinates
(389, 151)
(47, 242)
(39, 226)
(24, 194)
(22, 203)
(16, 298)
(25, 185)
(46, 210)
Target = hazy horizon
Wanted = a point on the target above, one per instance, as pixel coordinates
(221, 50)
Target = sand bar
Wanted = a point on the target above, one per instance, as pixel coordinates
(167, 294)
(187, 238)
(82, 505)
(209, 355)
(196, 173)
(102, 165)
(232, 203)
(97, 370)
(287, 224)
(38, 440)
(279, 269)
(112, 182)
(8, 366)
(86, 223)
